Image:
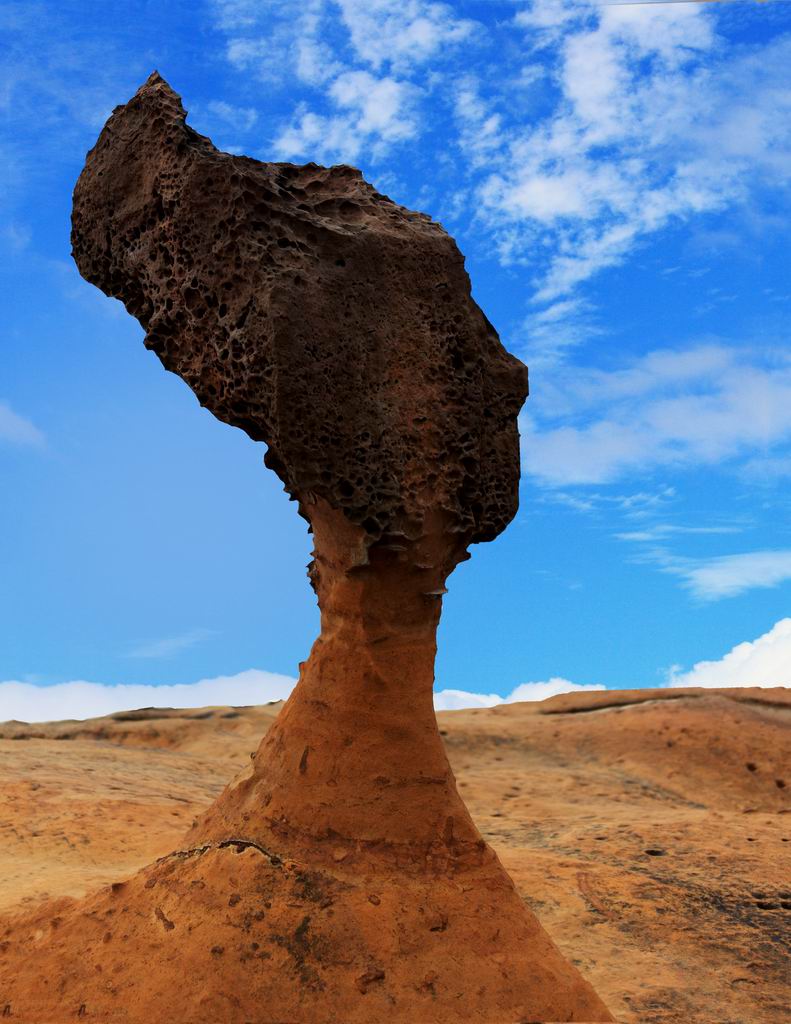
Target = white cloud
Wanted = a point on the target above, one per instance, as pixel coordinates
(28, 703)
(239, 118)
(272, 39)
(79, 699)
(378, 104)
(711, 578)
(645, 117)
(166, 647)
(454, 700)
(370, 112)
(402, 32)
(360, 57)
(248, 54)
(479, 125)
(762, 662)
(763, 468)
(655, 122)
(232, 15)
(766, 662)
(553, 331)
(549, 15)
(659, 531)
(730, 575)
(639, 505)
(16, 429)
(15, 237)
(701, 406)
(314, 63)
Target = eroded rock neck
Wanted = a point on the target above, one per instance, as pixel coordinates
(354, 767)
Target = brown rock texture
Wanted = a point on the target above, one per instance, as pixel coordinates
(340, 878)
(313, 312)
(647, 829)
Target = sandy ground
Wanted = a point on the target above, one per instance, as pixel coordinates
(649, 831)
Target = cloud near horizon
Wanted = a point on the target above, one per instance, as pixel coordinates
(762, 662)
(78, 699)
(457, 700)
(765, 661)
(27, 702)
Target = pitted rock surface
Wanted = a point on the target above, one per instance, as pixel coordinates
(313, 312)
(337, 327)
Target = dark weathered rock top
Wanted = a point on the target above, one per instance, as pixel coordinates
(308, 309)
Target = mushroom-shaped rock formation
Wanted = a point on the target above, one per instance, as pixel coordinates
(340, 877)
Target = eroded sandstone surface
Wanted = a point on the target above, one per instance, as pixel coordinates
(648, 830)
(314, 313)
(317, 315)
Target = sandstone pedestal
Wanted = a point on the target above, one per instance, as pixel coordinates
(340, 878)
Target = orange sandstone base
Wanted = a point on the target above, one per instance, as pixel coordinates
(339, 878)
(231, 934)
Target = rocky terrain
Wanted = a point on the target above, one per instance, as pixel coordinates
(649, 831)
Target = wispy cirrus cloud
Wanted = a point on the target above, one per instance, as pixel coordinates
(62, 89)
(653, 122)
(662, 531)
(16, 429)
(169, 646)
(361, 59)
(637, 505)
(268, 40)
(728, 575)
(710, 577)
(238, 118)
(369, 111)
(705, 405)
(403, 33)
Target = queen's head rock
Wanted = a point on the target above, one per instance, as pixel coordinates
(311, 311)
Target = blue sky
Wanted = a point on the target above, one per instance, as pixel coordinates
(617, 178)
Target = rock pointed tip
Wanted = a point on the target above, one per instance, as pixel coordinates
(155, 79)
(159, 91)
